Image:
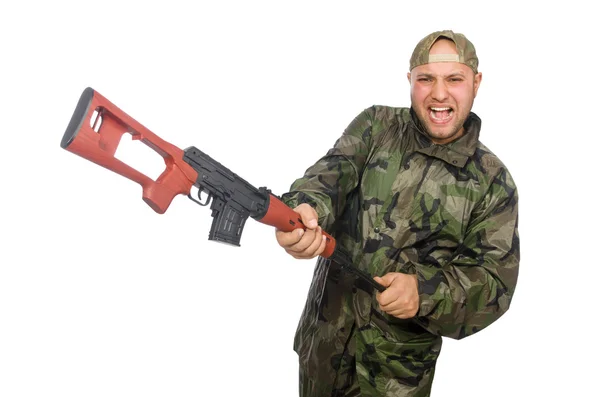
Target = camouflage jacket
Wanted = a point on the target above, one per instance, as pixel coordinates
(396, 202)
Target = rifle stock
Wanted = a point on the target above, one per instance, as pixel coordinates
(94, 132)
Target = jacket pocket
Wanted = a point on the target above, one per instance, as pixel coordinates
(401, 356)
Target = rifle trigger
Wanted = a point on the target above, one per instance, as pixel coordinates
(199, 202)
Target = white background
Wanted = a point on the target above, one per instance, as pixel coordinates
(100, 296)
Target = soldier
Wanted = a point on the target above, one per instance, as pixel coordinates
(417, 201)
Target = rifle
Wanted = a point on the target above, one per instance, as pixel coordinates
(94, 133)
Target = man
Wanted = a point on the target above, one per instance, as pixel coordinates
(416, 200)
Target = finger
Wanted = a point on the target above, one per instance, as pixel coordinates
(387, 298)
(400, 313)
(394, 307)
(314, 249)
(288, 239)
(300, 255)
(380, 281)
(387, 279)
(402, 307)
(392, 310)
(308, 215)
(294, 254)
(316, 244)
(305, 242)
(322, 246)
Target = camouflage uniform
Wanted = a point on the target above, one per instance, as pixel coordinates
(396, 202)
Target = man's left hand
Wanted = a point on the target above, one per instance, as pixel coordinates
(401, 297)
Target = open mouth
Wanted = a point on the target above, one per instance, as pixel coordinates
(441, 115)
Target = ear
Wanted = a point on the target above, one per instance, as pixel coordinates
(476, 83)
(408, 77)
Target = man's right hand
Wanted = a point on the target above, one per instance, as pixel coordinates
(303, 244)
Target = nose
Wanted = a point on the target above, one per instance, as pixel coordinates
(439, 91)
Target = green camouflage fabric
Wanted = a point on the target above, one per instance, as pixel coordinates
(396, 202)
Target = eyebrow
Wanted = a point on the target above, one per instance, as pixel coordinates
(453, 74)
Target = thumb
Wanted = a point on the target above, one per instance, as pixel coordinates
(308, 215)
(386, 280)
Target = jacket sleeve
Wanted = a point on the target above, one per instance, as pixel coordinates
(475, 288)
(326, 184)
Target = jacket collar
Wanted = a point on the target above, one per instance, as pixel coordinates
(454, 153)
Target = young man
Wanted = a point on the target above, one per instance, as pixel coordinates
(416, 200)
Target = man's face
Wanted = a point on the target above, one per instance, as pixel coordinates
(442, 94)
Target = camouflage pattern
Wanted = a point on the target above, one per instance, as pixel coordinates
(396, 202)
(466, 49)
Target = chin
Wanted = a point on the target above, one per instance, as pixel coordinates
(444, 133)
(440, 134)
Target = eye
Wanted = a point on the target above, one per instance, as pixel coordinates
(456, 80)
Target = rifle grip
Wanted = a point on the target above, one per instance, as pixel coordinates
(286, 219)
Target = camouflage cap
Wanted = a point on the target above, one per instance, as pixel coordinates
(465, 49)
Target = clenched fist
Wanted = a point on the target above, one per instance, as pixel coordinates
(303, 244)
(401, 297)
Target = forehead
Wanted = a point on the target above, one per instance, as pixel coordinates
(443, 46)
(443, 69)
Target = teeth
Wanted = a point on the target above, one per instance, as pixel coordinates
(441, 113)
